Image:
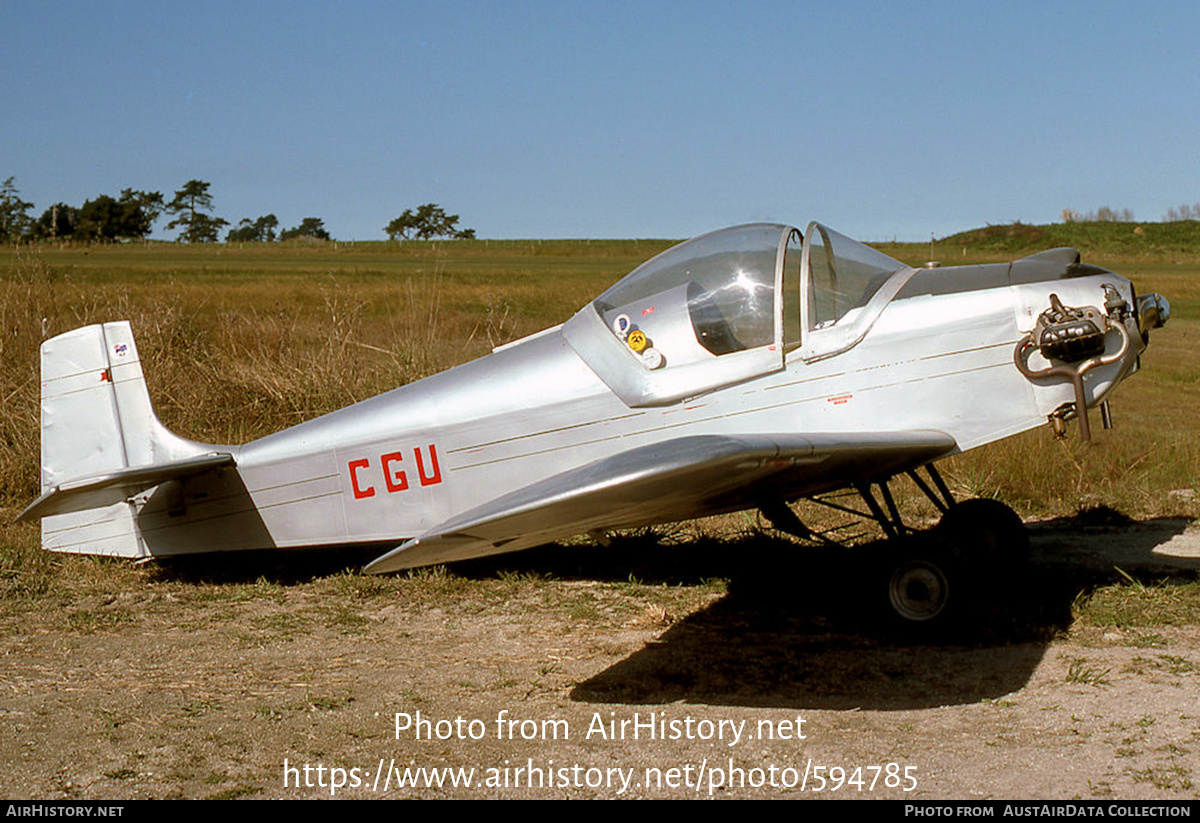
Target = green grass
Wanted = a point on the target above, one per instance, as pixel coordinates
(1080, 673)
(1131, 604)
(1171, 242)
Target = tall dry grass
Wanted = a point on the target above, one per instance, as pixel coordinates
(229, 364)
(224, 363)
(27, 298)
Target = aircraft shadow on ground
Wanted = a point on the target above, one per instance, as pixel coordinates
(818, 634)
(1102, 538)
(802, 627)
(814, 634)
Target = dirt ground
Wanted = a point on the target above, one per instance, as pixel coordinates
(601, 685)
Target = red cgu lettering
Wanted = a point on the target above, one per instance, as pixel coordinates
(395, 479)
(359, 492)
(435, 471)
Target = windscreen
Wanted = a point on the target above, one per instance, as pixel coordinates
(843, 274)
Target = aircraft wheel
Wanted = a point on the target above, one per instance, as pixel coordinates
(985, 532)
(923, 586)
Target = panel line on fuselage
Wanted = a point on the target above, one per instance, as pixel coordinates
(790, 383)
(82, 526)
(264, 506)
(942, 376)
(314, 478)
(543, 432)
(1008, 346)
(550, 450)
(151, 529)
(259, 490)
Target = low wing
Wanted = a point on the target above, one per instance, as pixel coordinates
(112, 487)
(664, 482)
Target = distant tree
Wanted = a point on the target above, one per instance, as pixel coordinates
(59, 221)
(243, 233)
(96, 219)
(261, 230)
(108, 218)
(14, 218)
(1184, 212)
(189, 206)
(137, 212)
(205, 228)
(311, 228)
(1104, 214)
(427, 222)
(265, 226)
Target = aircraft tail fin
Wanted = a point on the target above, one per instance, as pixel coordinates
(101, 441)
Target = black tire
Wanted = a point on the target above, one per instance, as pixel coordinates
(986, 533)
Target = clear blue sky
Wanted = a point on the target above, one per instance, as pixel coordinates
(610, 119)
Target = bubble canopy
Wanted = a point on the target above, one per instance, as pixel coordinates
(728, 277)
(727, 306)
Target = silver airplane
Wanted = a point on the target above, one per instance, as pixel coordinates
(745, 368)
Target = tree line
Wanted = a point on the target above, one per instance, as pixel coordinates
(131, 216)
(1107, 214)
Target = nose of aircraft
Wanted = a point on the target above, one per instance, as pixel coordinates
(1153, 312)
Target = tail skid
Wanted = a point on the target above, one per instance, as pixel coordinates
(102, 443)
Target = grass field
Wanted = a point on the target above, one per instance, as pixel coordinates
(240, 341)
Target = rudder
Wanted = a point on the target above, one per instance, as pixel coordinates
(96, 418)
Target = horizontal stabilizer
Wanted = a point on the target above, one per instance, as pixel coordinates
(665, 482)
(110, 487)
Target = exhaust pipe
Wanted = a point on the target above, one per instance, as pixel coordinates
(1073, 334)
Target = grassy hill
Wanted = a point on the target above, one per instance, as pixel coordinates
(1168, 242)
